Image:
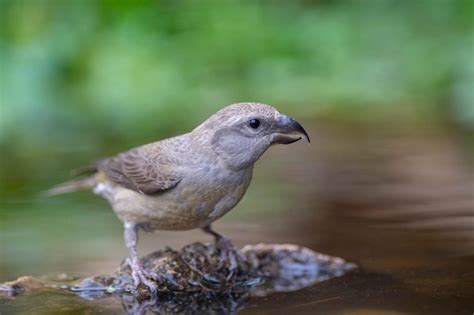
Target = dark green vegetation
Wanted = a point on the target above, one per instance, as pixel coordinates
(94, 77)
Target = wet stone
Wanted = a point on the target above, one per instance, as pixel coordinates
(20, 285)
(196, 273)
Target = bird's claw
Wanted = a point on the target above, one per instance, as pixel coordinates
(141, 277)
(228, 255)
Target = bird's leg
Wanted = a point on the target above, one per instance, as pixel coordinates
(138, 273)
(228, 252)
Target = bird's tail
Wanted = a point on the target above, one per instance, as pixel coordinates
(85, 183)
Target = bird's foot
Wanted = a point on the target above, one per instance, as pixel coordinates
(141, 277)
(228, 255)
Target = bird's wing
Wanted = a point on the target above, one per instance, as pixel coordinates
(148, 169)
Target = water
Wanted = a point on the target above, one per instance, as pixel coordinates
(399, 203)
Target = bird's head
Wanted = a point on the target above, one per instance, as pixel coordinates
(241, 133)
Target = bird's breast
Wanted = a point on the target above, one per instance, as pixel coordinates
(209, 197)
(199, 199)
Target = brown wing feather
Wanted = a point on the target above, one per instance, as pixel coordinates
(141, 170)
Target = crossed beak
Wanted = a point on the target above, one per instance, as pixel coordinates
(289, 130)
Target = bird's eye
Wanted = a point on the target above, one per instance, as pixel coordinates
(254, 123)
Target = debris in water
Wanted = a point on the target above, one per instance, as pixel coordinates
(194, 274)
(20, 285)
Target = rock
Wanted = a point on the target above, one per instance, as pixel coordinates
(197, 273)
(20, 285)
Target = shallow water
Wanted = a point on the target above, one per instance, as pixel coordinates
(399, 203)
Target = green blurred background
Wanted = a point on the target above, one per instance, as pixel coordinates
(90, 78)
(86, 79)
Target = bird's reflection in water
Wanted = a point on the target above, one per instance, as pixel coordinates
(210, 303)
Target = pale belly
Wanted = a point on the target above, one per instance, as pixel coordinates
(189, 205)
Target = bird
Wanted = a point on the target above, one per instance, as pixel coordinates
(188, 181)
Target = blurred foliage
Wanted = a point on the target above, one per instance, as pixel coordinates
(105, 75)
